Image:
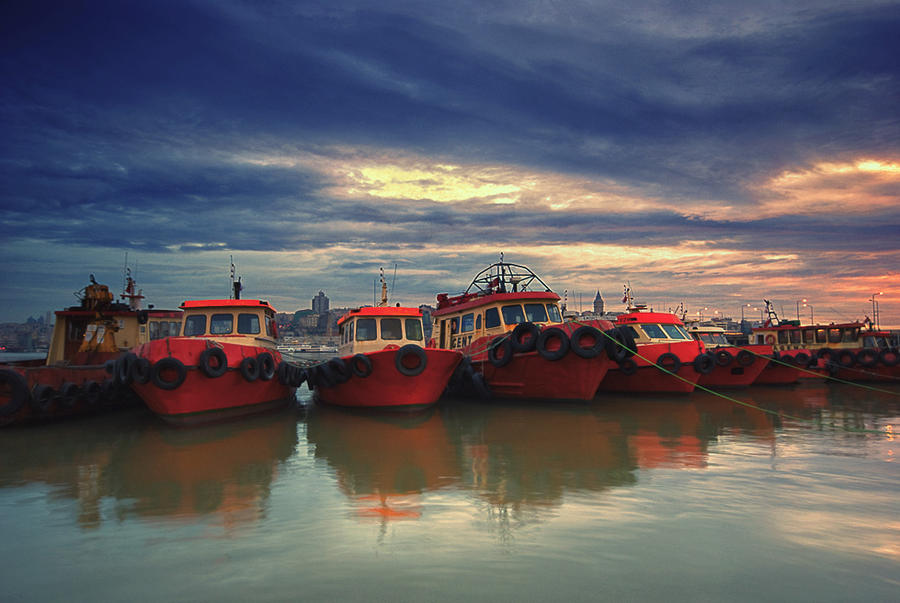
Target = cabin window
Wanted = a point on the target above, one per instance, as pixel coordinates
(414, 329)
(809, 335)
(795, 336)
(350, 332)
(512, 315)
(851, 335)
(820, 335)
(536, 312)
(553, 312)
(491, 318)
(674, 332)
(248, 324)
(270, 326)
(468, 322)
(782, 337)
(221, 324)
(163, 329)
(654, 331)
(454, 325)
(478, 322)
(869, 342)
(195, 325)
(391, 328)
(154, 330)
(834, 335)
(365, 329)
(704, 337)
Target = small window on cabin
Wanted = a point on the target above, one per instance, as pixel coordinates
(783, 337)
(154, 330)
(391, 328)
(820, 336)
(851, 335)
(536, 312)
(719, 338)
(365, 329)
(869, 342)
(834, 335)
(271, 325)
(468, 322)
(795, 335)
(221, 324)
(684, 334)
(512, 315)
(248, 324)
(673, 331)
(491, 318)
(414, 329)
(195, 325)
(350, 332)
(553, 313)
(478, 322)
(454, 325)
(809, 335)
(654, 331)
(704, 337)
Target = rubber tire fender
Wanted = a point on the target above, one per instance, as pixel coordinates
(168, 364)
(745, 358)
(530, 331)
(802, 359)
(416, 351)
(500, 351)
(669, 362)
(549, 334)
(92, 392)
(68, 394)
(284, 372)
(846, 358)
(210, 369)
(889, 357)
(591, 351)
(360, 366)
(298, 376)
(249, 368)
(19, 395)
(628, 366)
(620, 344)
(266, 366)
(339, 369)
(704, 364)
(42, 397)
(123, 368)
(723, 357)
(140, 370)
(867, 357)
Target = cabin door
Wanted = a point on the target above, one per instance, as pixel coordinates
(443, 343)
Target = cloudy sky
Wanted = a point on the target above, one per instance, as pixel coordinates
(715, 153)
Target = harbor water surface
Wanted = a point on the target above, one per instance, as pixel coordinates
(688, 498)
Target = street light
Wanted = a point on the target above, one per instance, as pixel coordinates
(875, 308)
(799, 301)
(812, 320)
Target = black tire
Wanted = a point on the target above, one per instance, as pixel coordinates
(411, 350)
(266, 366)
(42, 397)
(704, 364)
(786, 359)
(327, 378)
(110, 367)
(889, 357)
(165, 365)
(549, 334)
(589, 351)
(724, 358)
(313, 377)
(91, 393)
(846, 358)
(745, 358)
(123, 368)
(867, 357)
(19, 395)
(298, 376)
(620, 344)
(69, 394)
(361, 366)
(213, 362)
(339, 369)
(284, 372)
(524, 337)
(826, 353)
(249, 368)
(628, 366)
(669, 362)
(140, 370)
(500, 351)
(801, 359)
(143, 316)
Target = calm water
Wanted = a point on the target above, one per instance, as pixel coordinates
(676, 499)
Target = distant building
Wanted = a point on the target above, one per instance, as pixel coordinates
(320, 303)
(598, 304)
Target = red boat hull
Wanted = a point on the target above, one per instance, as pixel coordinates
(387, 388)
(647, 378)
(734, 374)
(200, 398)
(782, 371)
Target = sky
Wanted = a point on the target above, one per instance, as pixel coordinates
(713, 154)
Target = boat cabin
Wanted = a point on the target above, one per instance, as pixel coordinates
(239, 321)
(791, 336)
(653, 327)
(710, 336)
(375, 328)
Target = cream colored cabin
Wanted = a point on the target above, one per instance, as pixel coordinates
(457, 327)
(709, 335)
(375, 328)
(238, 321)
(116, 331)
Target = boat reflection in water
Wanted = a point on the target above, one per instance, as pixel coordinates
(220, 473)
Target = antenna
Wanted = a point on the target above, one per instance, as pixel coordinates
(393, 280)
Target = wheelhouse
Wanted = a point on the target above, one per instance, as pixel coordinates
(247, 321)
(711, 336)
(375, 328)
(653, 327)
(791, 336)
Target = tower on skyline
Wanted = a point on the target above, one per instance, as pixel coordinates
(320, 303)
(598, 303)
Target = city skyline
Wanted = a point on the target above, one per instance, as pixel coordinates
(714, 154)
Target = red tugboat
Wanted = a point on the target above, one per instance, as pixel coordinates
(80, 374)
(224, 364)
(515, 341)
(382, 363)
(790, 358)
(661, 341)
(734, 366)
(853, 351)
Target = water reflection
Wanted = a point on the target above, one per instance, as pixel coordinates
(149, 470)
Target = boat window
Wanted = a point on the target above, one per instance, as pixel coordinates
(414, 329)
(195, 325)
(553, 313)
(248, 324)
(719, 338)
(512, 315)
(454, 325)
(535, 312)
(869, 342)
(162, 329)
(221, 324)
(809, 335)
(478, 322)
(270, 326)
(674, 332)
(491, 318)
(782, 337)
(468, 322)
(851, 335)
(350, 332)
(820, 335)
(365, 329)
(704, 337)
(391, 329)
(795, 335)
(154, 330)
(654, 331)
(834, 335)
